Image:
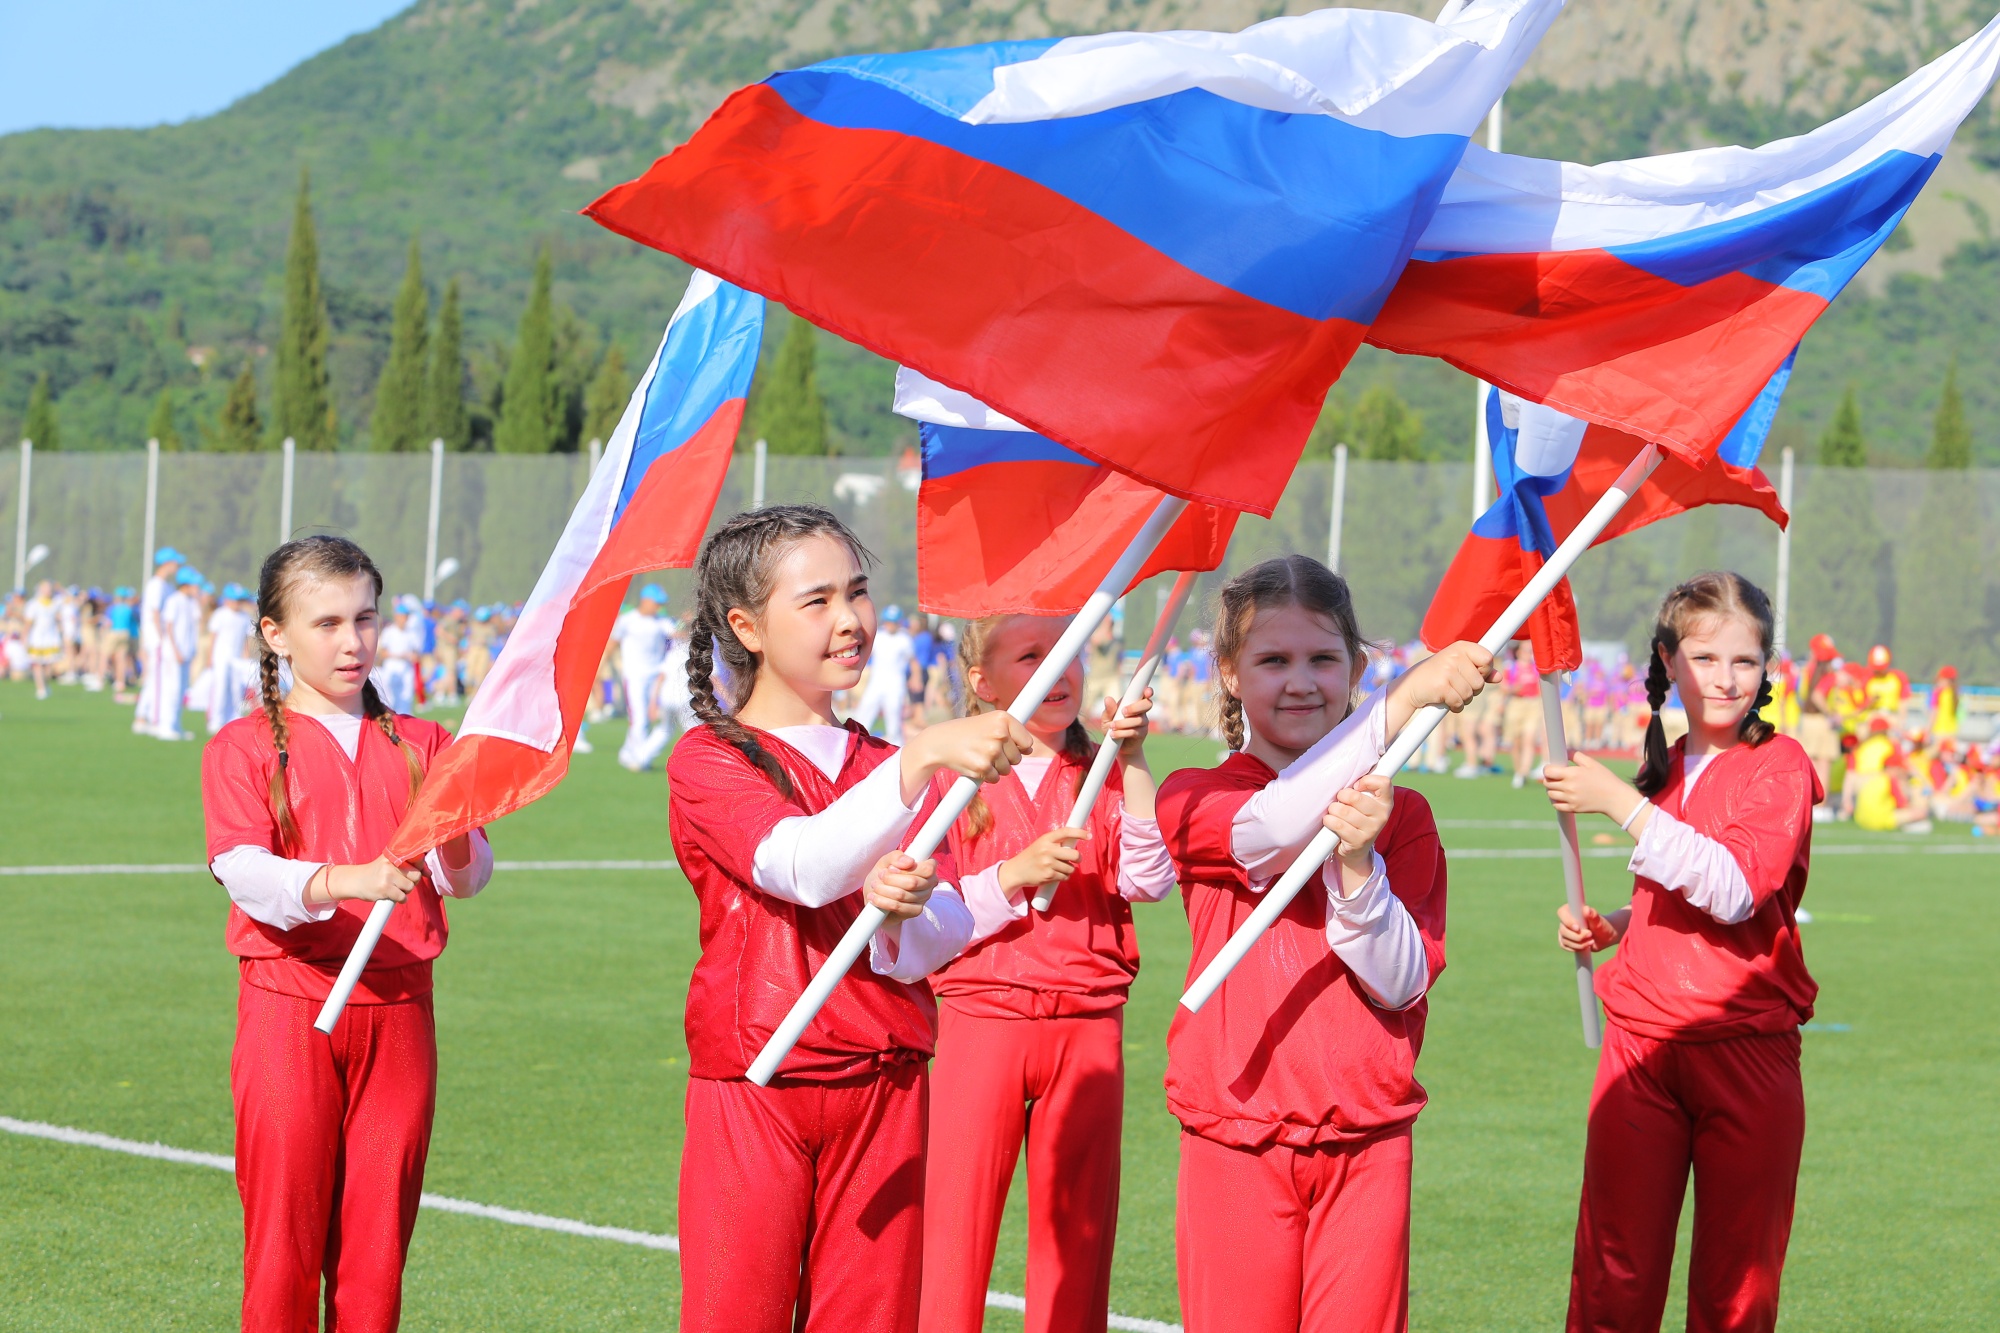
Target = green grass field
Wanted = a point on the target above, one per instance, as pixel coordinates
(563, 1067)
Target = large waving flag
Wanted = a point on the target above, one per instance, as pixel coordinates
(1659, 295)
(1551, 469)
(1010, 522)
(1159, 249)
(646, 507)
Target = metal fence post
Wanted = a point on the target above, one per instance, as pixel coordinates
(1339, 509)
(1784, 553)
(596, 455)
(285, 494)
(431, 529)
(21, 522)
(761, 450)
(152, 510)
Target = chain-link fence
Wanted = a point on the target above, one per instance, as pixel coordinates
(1905, 558)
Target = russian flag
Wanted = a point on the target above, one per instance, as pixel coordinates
(1159, 249)
(646, 507)
(1551, 469)
(1659, 295)
(1011, 523)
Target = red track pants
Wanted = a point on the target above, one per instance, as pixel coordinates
(802, 1205)
(1733, 1110)
(1279, 1239)
(1061, 1083)
(331, 1136)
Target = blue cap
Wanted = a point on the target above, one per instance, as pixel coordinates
(894, 613)
(189, 576)
(168, 555)
(208, 587)
(122, 591)
(483, 614)
(653, 592)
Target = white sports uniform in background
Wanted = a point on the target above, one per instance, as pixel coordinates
(643, 642)
(231, 674)
(395, 673)
(888, 687)
(146, 717)
(180, 631)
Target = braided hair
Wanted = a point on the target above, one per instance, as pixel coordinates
(315, 559)
(734, 572)
(1292, 580)
(1075, 742)
(1701, 599)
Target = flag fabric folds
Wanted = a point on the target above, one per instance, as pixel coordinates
(1158, 249)
(1011, 523)
(1659, 295)
(1550, 469)
(646, 507)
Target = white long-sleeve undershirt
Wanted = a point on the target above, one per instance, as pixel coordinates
(1675, 856)
(813, 860)
(1375, 935)
(1274, 826)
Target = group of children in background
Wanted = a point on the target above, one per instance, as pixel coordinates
(862, 1189)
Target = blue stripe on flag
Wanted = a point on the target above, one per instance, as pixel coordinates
(1745, 442)
(949, 450)
(707, 359)
(952, 81)
(1305, 212)
(1517, 515)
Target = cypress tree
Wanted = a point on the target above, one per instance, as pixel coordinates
(1951, 439)
(786, 408)
(40, 423)
(302, 406)
(160, 425)
(1843, 444)
(240, 428)
(604, 401)
(530, 411)
(444, 385)
(399, 393)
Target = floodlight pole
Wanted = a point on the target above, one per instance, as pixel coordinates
(759, 453)
(1339, 508)
(1482, 446)
(1572, 857)
(431, 530)
(1784, 606)
(151, 526)
(21, 519)
(285, 492)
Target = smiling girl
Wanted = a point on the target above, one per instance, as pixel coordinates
(331, 1132)
(1700, 1067)
(1295, 1085)
(1031, 1017)
(801, 1203)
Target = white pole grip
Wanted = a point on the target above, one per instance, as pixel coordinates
(1107, 749)
(1572, 859)
(350, 971)
(1279, 896)
(1072, 642)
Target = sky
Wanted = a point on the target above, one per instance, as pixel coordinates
(92, 63)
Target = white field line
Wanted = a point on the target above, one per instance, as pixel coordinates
(1819, 849)
(83, 1138)
(169, 868)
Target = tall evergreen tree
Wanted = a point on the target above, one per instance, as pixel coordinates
(1951, 438)
(444, 384)
(160, 425)
(399, 393)
(302, 395)
(240, 428)
(40, 423)
(786, 407)
(1843, 444)
(531, 410)
(604, 402)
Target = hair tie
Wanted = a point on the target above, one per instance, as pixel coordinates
(284, 759)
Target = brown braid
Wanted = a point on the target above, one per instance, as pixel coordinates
(734, 572)
(1701, 599)
(1076, 743)
(1293, 580)
(273, 704)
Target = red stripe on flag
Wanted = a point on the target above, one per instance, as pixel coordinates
(1484, 577)
(1000, 287)
(1588, 334)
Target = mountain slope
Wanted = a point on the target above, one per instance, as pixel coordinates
(126, 257)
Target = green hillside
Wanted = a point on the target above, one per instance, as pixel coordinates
(132, 261)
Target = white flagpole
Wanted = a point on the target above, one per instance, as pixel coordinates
(1323, 845)
(350, 971)
(1572, 857)
(1336, 519)
(872, 918)
(1107, 749)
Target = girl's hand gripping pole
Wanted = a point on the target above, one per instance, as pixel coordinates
(928, 838)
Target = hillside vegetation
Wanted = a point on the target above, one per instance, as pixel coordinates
(136, 261)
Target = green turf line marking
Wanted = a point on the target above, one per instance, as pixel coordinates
(84, 1138)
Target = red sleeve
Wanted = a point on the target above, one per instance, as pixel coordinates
(428, 737)
(1197, 816)
(727, 805)
(236, 791)
(1416, 867)
(1768, 821)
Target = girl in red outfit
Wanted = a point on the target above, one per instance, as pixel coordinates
(1031, 1016)
(801, 1204)
(331, 1132)
(1700, 1067)
(1294, 1086)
